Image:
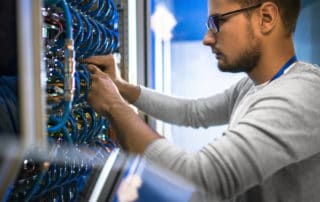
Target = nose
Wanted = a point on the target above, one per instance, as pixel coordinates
(209, 39)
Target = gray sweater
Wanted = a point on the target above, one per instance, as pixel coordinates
(270, 151)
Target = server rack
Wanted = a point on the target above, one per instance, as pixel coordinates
(54, 147)
(60, 149)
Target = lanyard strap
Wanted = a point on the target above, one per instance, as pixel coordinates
(284, 67)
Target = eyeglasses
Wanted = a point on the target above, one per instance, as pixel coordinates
(214, 21)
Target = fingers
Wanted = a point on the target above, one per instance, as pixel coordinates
(96, 73)
(96, 59)
(101, 61)
(93, 69)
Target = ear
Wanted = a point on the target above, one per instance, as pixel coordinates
(269, 17)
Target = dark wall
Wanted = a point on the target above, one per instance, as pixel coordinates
(9, 113)
(8, 42)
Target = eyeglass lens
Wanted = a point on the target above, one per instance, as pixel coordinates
(212, 24)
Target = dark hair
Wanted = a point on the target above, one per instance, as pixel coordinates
(289, 10)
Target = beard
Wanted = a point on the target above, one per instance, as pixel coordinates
(247, 59)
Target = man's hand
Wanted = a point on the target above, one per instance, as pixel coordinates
(107, 64)
(132, 132)
(103, 93)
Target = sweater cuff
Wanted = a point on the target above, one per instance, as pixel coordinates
(140, 98)
(143, 98)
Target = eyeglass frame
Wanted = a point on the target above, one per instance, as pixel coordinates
(212, 23)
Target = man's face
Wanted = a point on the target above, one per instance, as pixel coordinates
(236, 46)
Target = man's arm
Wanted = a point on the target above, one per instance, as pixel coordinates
(133, 134)
(204, 112)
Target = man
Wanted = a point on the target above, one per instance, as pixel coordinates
(271, 149)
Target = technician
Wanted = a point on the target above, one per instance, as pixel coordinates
(270, 151)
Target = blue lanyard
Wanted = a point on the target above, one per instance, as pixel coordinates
(284, 67)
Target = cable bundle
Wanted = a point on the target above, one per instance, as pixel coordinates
(92, 36)
(103, 11)
(61, 178)
(95, 29)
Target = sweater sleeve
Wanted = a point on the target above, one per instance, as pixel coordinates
(280, 128)
(203, 112)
